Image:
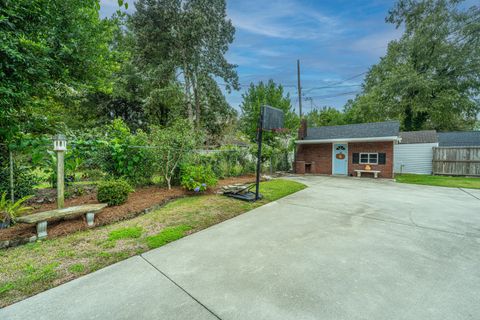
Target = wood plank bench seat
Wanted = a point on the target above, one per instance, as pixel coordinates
(375, 172)
(41, 218)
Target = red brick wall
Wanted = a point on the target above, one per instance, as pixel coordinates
(386, 170)
(320, 155)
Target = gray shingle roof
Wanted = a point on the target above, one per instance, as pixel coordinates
(426, 136)
(362, 130)
(459, 139)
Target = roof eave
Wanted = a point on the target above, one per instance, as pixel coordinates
(371, 139)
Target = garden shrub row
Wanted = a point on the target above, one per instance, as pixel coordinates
(115, 152)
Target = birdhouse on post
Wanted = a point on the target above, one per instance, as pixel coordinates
(59, 142)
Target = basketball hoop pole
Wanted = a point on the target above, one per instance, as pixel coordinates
(259, 154)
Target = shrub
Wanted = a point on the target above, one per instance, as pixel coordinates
(198, 178)
(113, 192)
(11, 210)
(125, 154)
(172, 145)
(23, 181)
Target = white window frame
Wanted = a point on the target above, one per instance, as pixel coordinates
(368, 158)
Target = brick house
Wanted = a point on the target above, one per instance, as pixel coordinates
(340, 150)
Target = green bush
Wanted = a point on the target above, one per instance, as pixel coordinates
(23, 181)
(197, 178)
(229, 161)
(125, 154)
(113, 192)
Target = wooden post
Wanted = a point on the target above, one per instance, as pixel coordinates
(60, 179)
(60, 147)
(12, 184)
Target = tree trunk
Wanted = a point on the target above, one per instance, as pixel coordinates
(168, 182)
(197, 103)
(187, 94)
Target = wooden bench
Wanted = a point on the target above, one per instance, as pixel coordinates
(41, 218)
(375, 172)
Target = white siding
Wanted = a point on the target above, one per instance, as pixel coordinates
(414, 158)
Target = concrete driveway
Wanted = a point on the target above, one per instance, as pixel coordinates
(342, 249)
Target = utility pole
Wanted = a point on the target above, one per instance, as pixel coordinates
(299, 89)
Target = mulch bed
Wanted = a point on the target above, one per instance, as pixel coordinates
(139, 201)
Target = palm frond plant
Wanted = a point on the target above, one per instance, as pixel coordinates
(9, 210)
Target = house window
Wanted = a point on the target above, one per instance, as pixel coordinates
(369, 158)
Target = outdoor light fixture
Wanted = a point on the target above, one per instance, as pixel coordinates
(59, 142)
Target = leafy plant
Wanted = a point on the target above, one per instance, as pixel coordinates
(171, 145)
(24, 181)
(198, 178)
(11, 210)
(113, 192)
(126, 155)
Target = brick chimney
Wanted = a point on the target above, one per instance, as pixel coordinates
(302, 131)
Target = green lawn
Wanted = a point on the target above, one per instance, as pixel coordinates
(35, 267)
(442, 181)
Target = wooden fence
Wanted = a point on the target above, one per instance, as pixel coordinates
(456, 161)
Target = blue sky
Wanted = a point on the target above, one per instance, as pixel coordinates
(334, 40)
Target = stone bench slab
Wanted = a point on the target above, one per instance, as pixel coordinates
(41, 218)
(61, 213)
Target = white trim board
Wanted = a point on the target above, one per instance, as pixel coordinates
(372, 139)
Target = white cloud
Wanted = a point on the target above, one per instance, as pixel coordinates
(375, 44)
(284, 19)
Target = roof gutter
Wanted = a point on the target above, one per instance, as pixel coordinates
(372, 139)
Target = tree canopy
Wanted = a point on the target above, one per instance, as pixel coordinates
(429, 78)
(186, 41)
(266, 94)
(49, 50)
(327, 116)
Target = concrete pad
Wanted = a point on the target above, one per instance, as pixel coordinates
(131, 289)
(473, 192)
(342, 249)
(440, 208)
(345, 248)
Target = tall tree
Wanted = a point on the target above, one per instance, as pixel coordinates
(327, 116)
(49, 49)
(185, 41)
(266, 94)
(430, 77)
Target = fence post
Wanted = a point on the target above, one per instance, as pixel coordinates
(12, 184)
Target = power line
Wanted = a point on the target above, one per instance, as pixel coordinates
(332, 85)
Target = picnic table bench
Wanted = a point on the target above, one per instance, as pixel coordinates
(41, 218)
(375, 172)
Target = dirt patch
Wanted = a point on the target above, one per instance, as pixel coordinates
(139, 201)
